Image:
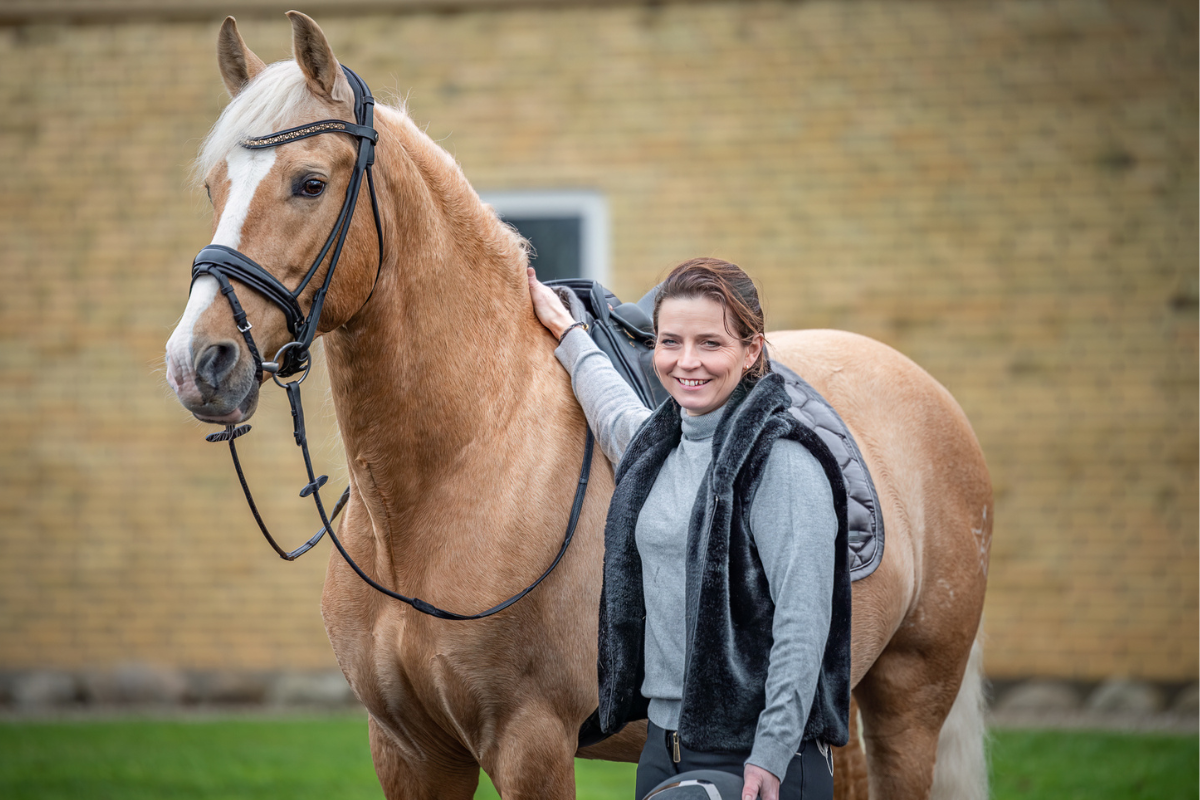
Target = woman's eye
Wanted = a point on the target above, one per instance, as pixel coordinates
(312, 187)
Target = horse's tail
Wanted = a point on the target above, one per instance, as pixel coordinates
(961, 771)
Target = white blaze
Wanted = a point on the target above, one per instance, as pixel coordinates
(245, 170)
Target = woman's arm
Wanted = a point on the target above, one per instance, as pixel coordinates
(794, 527)
(612, 408)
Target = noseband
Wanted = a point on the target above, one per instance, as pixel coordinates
(226, 264)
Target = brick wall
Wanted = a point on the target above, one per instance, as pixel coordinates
(1006, 192)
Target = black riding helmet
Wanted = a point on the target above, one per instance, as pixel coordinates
(699, 784)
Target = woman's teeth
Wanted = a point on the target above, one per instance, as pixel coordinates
(687, 382)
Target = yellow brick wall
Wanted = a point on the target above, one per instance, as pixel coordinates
(1006, 192)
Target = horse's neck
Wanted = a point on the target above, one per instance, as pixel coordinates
(446, 364)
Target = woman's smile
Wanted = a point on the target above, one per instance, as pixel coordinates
(696, 356)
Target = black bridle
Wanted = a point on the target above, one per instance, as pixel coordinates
(227, 265)
(224, 263)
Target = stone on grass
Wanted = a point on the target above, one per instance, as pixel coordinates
(136, 684)
(327, 689)
(1125, 696)
(1187, 702)
(1039, 696)
(44, 689)
(231, 688)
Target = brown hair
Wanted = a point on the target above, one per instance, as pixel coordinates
(727, 284)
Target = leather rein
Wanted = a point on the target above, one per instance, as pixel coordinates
(226, 264)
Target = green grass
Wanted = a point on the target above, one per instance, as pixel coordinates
(142, 759)
(227, 759)
(1071, 765)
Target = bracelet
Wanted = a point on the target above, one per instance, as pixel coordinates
(571, 328)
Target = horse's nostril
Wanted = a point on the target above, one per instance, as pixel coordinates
(216, 362)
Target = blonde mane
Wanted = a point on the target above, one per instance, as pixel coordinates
(275, 96)
(274, 100)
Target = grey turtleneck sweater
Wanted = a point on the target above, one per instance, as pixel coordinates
(793, 524)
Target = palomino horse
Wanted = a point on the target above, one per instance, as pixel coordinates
(463, 442)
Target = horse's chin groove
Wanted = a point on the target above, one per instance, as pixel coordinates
(223, 414)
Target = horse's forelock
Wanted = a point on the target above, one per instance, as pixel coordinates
(267, 103)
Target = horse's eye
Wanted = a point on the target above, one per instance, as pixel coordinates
(312, 187)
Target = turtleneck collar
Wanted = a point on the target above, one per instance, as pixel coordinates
(702, 427)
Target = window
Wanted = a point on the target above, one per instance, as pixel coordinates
(568, 230)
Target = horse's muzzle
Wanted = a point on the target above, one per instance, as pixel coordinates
(218, 386)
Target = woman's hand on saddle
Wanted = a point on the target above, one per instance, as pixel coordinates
(549, 308)
(759, 784)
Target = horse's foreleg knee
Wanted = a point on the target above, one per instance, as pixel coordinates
(426, 777)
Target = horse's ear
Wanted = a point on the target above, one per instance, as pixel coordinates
(315, 57)
(238, 64)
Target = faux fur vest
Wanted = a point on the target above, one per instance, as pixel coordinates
(728, 602)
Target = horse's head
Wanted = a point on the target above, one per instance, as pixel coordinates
(276, 206)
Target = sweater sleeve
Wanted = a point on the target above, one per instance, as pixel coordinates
(794, 526)
(612, 408)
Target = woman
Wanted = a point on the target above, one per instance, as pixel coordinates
(725, 612)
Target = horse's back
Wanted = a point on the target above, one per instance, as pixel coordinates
(929, 472)
(890, 403)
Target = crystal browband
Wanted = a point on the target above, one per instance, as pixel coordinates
(313, 129)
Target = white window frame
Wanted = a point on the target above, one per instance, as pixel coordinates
(590, 207)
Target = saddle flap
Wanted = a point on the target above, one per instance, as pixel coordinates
(632, 318)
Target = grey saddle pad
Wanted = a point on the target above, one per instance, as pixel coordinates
(862, 503)
(622, 331)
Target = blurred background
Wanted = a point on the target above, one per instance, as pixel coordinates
(1006, 192)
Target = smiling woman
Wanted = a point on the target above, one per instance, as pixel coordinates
(710, 333)
(747, 672)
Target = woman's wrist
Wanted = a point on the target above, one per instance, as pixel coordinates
(562, 334)
(558, 324)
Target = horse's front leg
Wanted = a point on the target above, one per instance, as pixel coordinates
(534, 757)
(432, 776)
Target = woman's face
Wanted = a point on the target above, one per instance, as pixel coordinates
(697, 358)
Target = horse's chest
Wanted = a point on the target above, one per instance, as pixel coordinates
(404, 674)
